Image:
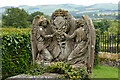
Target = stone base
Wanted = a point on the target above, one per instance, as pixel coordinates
(113, 63)
(45, 76)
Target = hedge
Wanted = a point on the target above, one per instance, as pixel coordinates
(17, 54)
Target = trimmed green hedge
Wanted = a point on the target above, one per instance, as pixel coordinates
(17, 54)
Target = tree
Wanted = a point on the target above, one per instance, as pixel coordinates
(102, 25)
(15, 17)
(113, 28)
(31, 16)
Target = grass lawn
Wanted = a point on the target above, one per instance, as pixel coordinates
(102, 71)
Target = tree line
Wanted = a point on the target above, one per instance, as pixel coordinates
(107, 26)
(16, 17)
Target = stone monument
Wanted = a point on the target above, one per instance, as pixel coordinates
(63, 38)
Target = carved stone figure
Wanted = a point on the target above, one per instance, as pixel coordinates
(59, 23)
(64, 38)
(42, 41)
(80, 43)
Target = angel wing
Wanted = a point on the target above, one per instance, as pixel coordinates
(33, 36)
(90, 31)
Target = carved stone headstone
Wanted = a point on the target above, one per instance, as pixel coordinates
(64, 38)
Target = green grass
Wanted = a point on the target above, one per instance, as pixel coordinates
(101, 71)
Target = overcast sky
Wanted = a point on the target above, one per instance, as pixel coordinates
(46, 2)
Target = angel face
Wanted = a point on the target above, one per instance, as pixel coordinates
(44, 23)
(79, 23)
(59, 22)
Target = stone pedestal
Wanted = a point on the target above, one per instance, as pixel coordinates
(45, 76)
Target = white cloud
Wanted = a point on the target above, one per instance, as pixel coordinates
(45, 2)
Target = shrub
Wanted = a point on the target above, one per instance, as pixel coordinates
(16, 53)
(64, 70)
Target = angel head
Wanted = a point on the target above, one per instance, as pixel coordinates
(79, 23)
(43, 21)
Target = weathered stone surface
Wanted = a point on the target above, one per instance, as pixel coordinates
(109, 59)
(45, 76)
(64, 38)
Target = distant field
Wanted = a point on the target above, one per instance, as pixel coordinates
(15, 30)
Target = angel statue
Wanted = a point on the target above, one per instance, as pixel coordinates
(64, 38)
(40, 39)
(81, 43)
(83, 52)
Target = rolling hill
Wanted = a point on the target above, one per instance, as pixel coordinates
(75, 10)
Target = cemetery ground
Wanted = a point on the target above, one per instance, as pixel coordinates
(104, 71)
